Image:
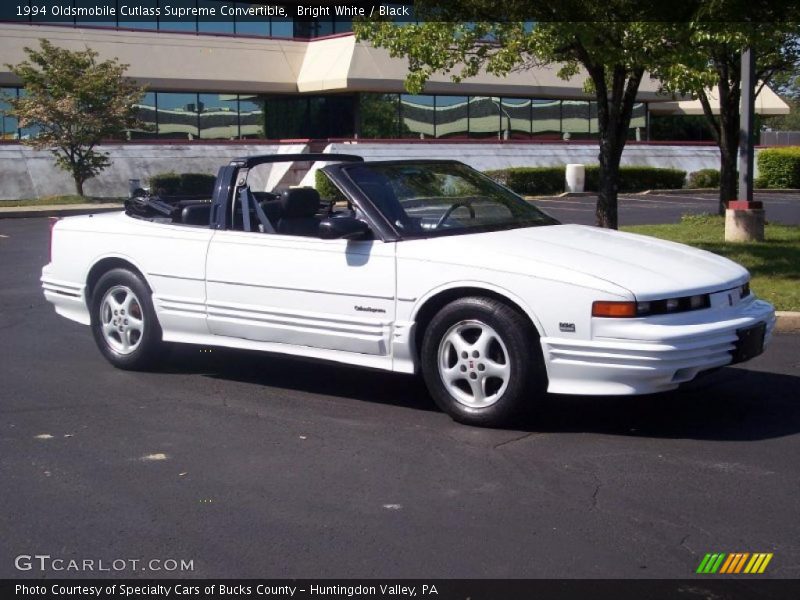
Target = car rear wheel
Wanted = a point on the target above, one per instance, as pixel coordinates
(481, 361)
(124, 323)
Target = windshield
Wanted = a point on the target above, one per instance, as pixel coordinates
(429, 199)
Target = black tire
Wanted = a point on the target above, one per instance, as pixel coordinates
(129, 346)
(496, 388)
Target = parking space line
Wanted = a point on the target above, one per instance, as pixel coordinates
(557, 201)
(661, 201)
(587, 209)
(561, 203)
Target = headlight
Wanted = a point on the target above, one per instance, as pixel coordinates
(626, 309)
(698, 301)
(744, 291)
(652, 307)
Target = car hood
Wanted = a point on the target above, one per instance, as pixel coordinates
(647, 267)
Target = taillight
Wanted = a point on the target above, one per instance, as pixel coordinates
(53, 221)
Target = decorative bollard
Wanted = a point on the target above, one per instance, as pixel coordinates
(575, 176)
(744, 221)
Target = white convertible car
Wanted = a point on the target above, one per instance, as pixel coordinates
(413, 266)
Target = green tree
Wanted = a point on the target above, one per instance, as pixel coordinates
(708, 56)
(76, 102)
(787, 85)
(790, 122)
(608, 48)
(379, 116)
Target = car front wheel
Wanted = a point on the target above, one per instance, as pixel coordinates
(481, 361)
(124, 323)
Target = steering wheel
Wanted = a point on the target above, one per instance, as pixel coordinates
(451, 210)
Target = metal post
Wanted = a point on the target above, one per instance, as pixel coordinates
(746, 126)
(744, 219)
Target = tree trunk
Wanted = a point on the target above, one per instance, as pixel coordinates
(614, 110)
(725, 129)
(78, 184)
(728, 146)
(606, 210)
(728, 175)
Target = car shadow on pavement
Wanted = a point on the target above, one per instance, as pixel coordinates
(730, 404)
(303, 375)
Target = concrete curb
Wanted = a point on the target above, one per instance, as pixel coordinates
(788, 321)
(690, 191)
(680, 192)
(66, 210)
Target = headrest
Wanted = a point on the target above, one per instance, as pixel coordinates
(299, 202)
(272, 209)
(199, 214)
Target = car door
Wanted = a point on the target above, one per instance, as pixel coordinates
(303, 291)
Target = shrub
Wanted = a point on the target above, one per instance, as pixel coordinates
(704, 178)
(183, 184)
(197, 184)
(531, 180)
(638, 179)
(165, 184)
(780, 167)
(326, 189)
(550, 180)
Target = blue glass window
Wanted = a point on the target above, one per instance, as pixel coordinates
(452, 116)
(280, 27)
(546, 119)
(177, 115)
(172, 22)
(219, 116)
(251, 116)
(417, 114)
(31, 131)
(216, 24)
(141, 15)
(251, 24)
(484, 117)
(8, 124)
(97, 20)
(515, 118)
(380, 115)
(575, 118)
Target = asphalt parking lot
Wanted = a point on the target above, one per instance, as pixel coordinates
(258, 466)
(641, 209)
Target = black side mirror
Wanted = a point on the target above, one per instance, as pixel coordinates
(344, 228)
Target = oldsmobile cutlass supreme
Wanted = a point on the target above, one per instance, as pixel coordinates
(413, 266)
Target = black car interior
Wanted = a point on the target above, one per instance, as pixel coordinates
(295, 211)
(298, 212)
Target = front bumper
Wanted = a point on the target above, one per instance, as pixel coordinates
(655, 354)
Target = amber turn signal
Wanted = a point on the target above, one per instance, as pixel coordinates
(602, 308)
